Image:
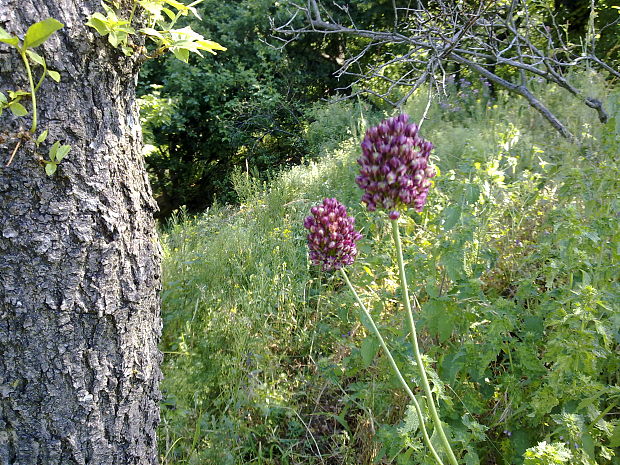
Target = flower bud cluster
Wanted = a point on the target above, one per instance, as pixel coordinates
(332, 235)
(394, 168)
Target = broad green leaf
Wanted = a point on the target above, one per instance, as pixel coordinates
(55, 75)
(54, 150)
(181, 53)
(471, 458)
(615, 437)
(210, 46)
(18, 109)
(8, 38)
(149, 31)
(39, 32)
(445, 326)
(98, 22)
(452, 215)
(3, 98)
(127, 51)
(178, 5)
(50, 168)
(42, 137)
(169, 13)
(34, 56)
(116, 37)
(369, 349)
(588, 445)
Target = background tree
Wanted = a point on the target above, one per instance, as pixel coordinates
(79, 257)
(244, 108)
(507, 43)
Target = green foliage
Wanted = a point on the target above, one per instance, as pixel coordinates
(514, 265)
(162, 15)
(245, 109)
(547, 454)
(57, 153)
(35, 36)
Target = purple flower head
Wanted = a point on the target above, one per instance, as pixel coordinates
(394, 168)
(332, 235)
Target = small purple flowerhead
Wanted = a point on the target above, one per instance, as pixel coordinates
(394, 168)
(332, 235)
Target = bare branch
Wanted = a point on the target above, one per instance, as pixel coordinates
(486, 39)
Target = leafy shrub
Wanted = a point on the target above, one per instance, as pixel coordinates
(515, 267)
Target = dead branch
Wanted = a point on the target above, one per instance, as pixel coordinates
(486, 38)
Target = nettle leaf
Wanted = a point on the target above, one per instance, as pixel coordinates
(411, 421)
(368, 350)
(3, 98)
(55, 75)
(588, 445)
(39, 32)
(452, 215)
(34, 56)
(8, 38)
(50, 168)
(471, 458)
(18, 109)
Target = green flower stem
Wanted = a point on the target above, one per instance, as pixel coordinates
(395, 368)
(416, 348)
(33, 96)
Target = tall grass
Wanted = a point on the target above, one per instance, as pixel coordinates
(264, 360)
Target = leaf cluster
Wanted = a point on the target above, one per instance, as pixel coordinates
(243, 109)
(161, 18)
(35, 36)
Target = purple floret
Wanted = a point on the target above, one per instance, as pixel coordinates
(394, 168)
(332, 235)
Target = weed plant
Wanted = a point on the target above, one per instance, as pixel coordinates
(515, 264)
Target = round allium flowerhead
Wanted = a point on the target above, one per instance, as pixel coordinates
(332, 235)
(394, 168)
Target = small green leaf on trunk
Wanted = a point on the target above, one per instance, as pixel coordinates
(55, 75)
(50, 168)
(39, 32)
(18, 109)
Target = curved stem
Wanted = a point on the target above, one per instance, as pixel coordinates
(416, 348)
(133, 11)
(395, 368)
(33, 96)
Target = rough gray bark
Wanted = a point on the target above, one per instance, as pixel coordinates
(79, 258)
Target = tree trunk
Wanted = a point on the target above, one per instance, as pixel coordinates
(79, 257)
